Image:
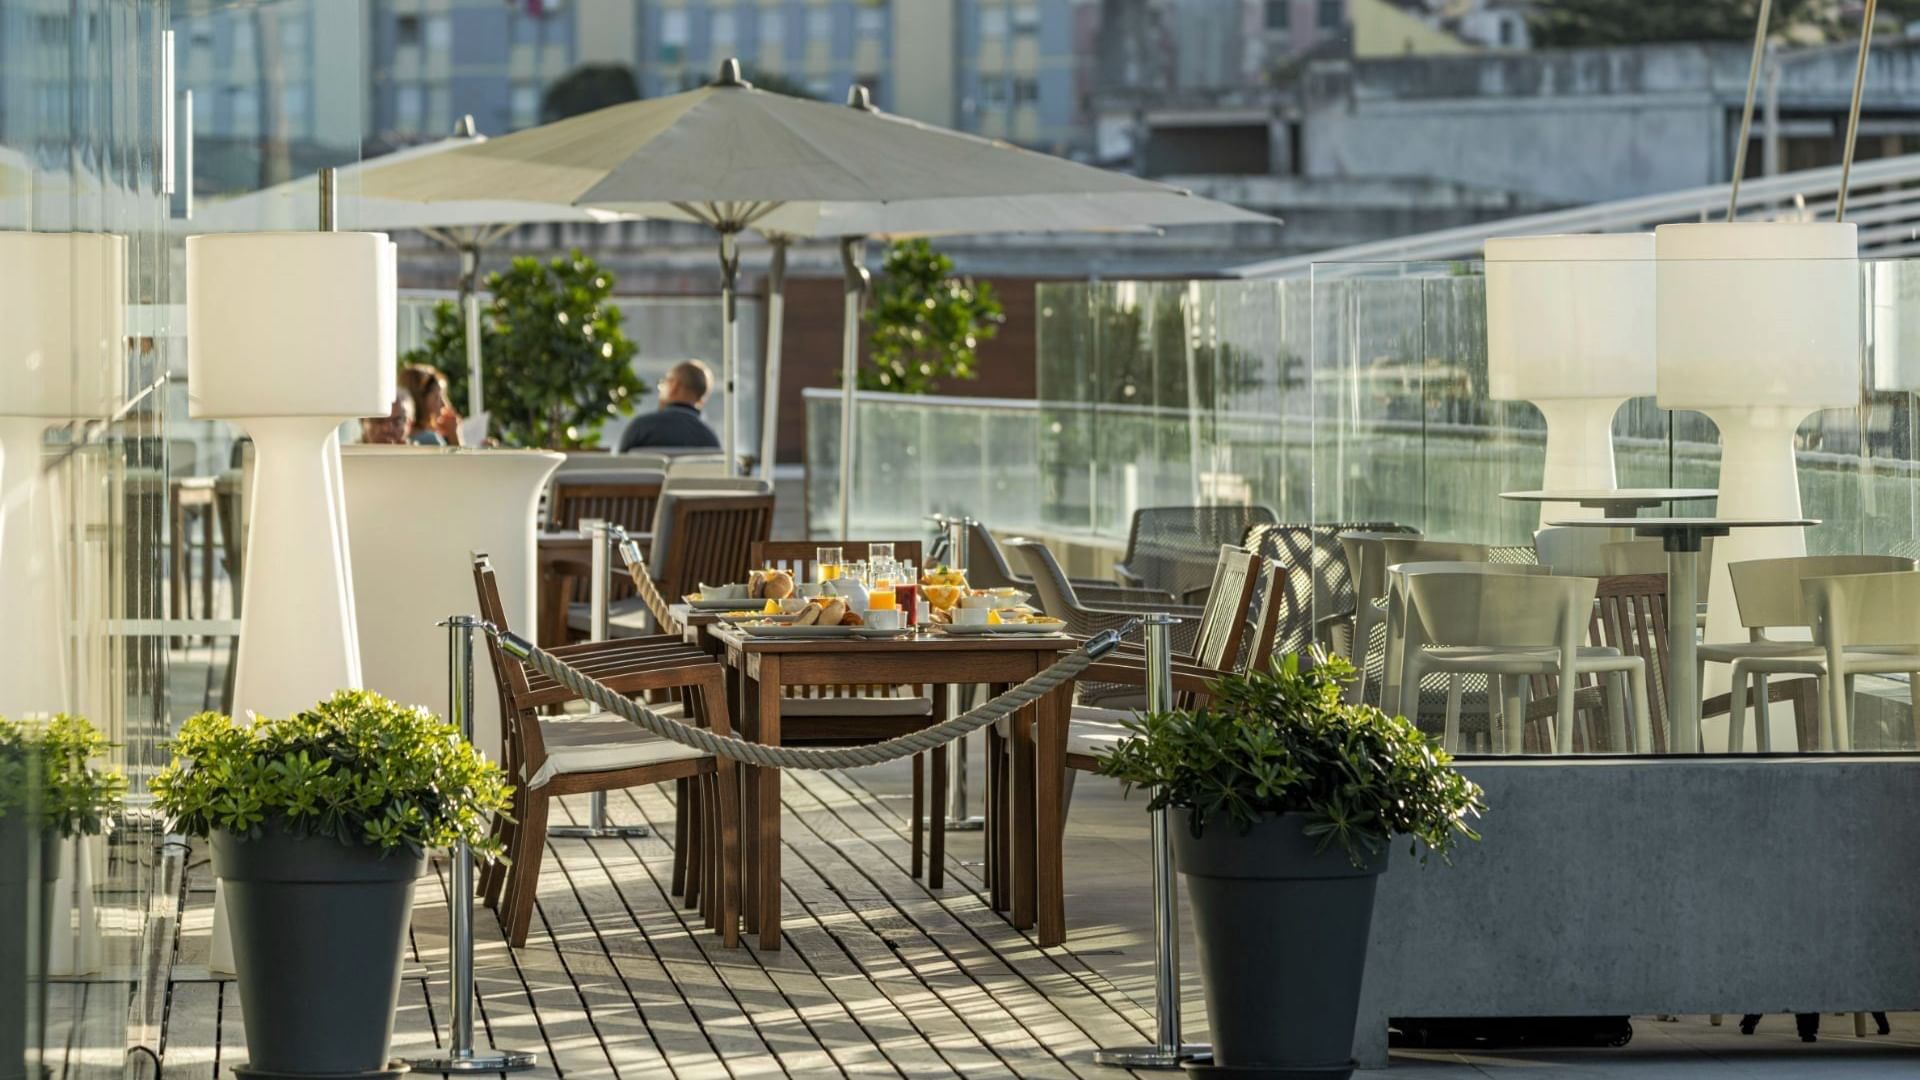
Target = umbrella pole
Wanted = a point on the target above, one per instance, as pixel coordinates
(770, 382)
(470, 303)
(729, 346)
(855, 280)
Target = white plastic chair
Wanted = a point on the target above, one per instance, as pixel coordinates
(1367, 567)
(1512, 627)
(1404, 633)
(1768, 593)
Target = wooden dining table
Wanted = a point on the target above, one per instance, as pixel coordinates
(762, 669)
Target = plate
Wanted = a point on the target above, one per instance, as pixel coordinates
(729, 616)
(789, 631)
(718, 605)
(985, 629)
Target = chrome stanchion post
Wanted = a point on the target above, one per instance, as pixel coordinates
(462, 1056)
(1168, 1052)
(958, 817)
(597, 827)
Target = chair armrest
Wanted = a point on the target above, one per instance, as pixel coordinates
(1110, 594)
(1128, 577)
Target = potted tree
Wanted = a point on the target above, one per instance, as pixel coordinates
(54, 794)
(319, 825)
(1285, 801)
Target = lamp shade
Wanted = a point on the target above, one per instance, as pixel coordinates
(290, 324)
(1758, 314)
(1570, 316)
(63, 338)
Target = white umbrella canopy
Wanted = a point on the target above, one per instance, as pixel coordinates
(736, 158)
(465, 225)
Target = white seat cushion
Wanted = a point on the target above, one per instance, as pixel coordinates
(856, 706)
(598, 742)
(1094, 731)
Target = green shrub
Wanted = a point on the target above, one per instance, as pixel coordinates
(925, 324)
(51, 764)
(356, 767)
(1284, 742)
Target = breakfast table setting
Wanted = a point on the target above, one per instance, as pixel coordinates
(881, 623)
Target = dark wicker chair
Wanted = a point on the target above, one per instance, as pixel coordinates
(1175, 548)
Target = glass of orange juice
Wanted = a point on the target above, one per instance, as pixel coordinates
(826, 563)
(881, 598)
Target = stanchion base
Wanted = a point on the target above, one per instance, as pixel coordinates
(1153, 1057)
(483, 1059)
(972, 824)
(604, 832)
(248, 1072)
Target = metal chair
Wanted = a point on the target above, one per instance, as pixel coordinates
(1173, 548)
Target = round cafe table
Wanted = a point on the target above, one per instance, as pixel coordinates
(1613, 502)
(1682, 537)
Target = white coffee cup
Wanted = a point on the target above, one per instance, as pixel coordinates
(886, 619)
(969, 616)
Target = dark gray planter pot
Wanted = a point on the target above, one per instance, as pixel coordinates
(1283, 943)
(319, 929)
(26, 896)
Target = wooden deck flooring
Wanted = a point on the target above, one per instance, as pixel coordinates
(878, 977)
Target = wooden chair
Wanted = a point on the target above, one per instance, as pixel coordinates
(625, 497)
(698, 536)
(549, 756)
(850, 715)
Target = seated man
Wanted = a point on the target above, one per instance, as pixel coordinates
(676, 423)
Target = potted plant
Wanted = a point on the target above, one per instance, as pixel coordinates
(53, 795)
(319, 825)
(1285, 801)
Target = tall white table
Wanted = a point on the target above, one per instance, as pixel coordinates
(1682, 537)
(1613, 502)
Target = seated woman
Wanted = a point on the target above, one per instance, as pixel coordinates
(435, 423)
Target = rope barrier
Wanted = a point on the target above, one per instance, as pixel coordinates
(788, 757)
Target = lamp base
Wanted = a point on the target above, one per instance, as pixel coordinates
(1579, 451)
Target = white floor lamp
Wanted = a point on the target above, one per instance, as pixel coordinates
(1570, 329)
(1759, 328)
(289, 335)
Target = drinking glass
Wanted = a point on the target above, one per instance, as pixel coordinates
(907, 590)
(826, 563)
(880, 554)
(881, 598)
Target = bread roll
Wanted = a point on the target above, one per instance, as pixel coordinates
(810, 616)
(778, 585)
(852, 618)
(756, 586)
(834, 611)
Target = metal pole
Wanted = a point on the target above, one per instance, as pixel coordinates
(462, 1057)
(329, 200)
(770, 382)
(1746, 112)
(470, 279)
(1168, 1052)
(854, 281)
(729, 349)
(597, 826)
(1853, 111)
(958, 817)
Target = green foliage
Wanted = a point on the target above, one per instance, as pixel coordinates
(50, 766)
(1577, 23)
(1284, 742)
(557, 363)
(587, 88)
(925, 324)
(356, 767)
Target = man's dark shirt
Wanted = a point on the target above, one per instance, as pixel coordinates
(675, 424)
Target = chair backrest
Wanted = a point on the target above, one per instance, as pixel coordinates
(1057, 597)
(1505, 610)
(679, 479)
(589, 461)
(800, 556)
(1174, 548)
(509, 675)
(706, 536)
(1857, 609)
(1576, 551)
(987, 566)
(1630, 614)
(1646, 555)
(1316, 581)
(625, 497)
(1223, 622)
(1768, 591)
(1263, 617)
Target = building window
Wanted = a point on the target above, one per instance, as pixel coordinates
(819, 24)
(1507, 35)
(993, 21)
(524, 105)
(1279, 14)
(293, 35)
(439, 34)
(526, 29)
(1331, 15)
(1026, 91)
(722, 33)
(994, 93)
(408, 105)
(243, 111)
(406, 30)
(870, 22)
(1026, 18)
(773, 27)
(673, 35)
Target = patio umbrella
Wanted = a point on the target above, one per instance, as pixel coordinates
(735, 158)
(465, 225)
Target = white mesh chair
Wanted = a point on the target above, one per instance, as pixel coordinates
(1401, 694)
(1394, 551)
(1768, 593)
(1367, 568)
(1513, 627)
